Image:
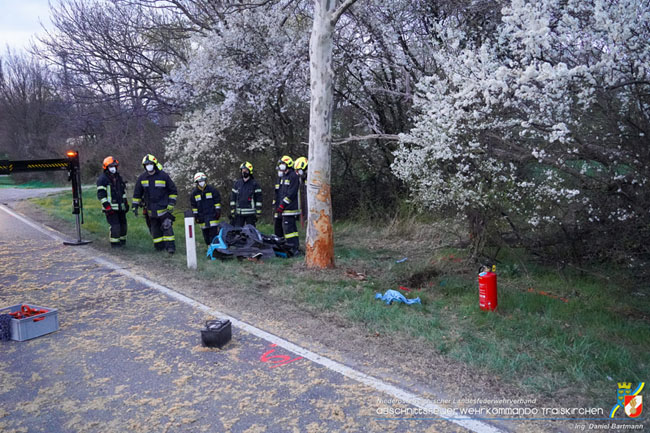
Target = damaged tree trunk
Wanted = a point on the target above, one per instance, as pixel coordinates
(320, 235)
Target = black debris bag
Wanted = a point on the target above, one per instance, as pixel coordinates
(245, 242)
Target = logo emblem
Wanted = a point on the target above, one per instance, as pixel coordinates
(629, 399)
(633, 405)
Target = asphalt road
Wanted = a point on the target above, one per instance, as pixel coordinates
(128, 358)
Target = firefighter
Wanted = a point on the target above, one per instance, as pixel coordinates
(156, 192)
(111, 192)
(286, 203)
(246, 198)
(206, 206)
(300, 166)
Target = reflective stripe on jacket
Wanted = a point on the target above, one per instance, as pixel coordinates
(111, 190)
(246, 197)
(288, 193)
(155, 192)
(206, 204)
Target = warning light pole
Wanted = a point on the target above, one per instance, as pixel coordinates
(71, 164)
(74, 175)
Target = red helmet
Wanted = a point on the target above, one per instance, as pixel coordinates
(109, 160)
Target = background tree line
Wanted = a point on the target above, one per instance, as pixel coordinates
(529, 121)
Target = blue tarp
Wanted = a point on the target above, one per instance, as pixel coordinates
(394, 295)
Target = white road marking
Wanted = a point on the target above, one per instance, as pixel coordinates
(45, 230)
(400, 394)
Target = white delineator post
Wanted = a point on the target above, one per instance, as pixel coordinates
(190, 239)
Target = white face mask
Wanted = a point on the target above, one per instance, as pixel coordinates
(300, 172)
(201, 183)
(282, 167)
(149, 167)
(112, 170)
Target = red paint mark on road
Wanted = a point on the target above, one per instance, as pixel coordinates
(277, 360)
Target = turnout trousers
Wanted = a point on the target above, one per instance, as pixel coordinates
(209, 232)
(242, 220)
(291, 231)
(162, 233)
(117, 232)
(277, 226)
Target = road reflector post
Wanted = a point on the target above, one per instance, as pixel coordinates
(190, 239)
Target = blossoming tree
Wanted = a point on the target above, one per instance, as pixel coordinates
(542, 126)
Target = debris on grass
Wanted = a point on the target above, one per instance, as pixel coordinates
(550, 295)
(359, 276)
(394, 295)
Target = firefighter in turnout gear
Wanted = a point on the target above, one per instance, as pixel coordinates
(111, 192)
(156, 193)
(300, 167)
(286, 204)
(245, 198)
(206, 207)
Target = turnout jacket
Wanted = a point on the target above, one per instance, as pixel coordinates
(246, 197)
(206, 204)
(287, 193)
(111, 191)
(156, 192)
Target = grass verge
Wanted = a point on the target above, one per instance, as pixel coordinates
(555, 332)
(6, 181)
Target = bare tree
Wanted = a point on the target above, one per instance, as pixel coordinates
(31, 110)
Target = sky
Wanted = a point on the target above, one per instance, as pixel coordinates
(19, 21)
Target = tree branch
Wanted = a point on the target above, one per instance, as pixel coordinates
(366, 137)
(341, 10)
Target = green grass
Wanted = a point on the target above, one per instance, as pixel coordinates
(535, 340)
(9, 182)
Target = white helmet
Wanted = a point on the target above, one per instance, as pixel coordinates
(200, 176)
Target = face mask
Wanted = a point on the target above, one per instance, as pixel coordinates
(245, 175)
(300, 172)
(282, 167)
(112, 170)
(149, 167)
(280, 173)
(202, 183)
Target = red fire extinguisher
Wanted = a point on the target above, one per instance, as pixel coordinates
(487, 288)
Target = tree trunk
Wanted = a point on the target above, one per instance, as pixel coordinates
(477, 231)
(320, 236)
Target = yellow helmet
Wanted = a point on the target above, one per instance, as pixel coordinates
(152, 159)
(300, 163)
(246, 165)
(286, 159)
(200, 176)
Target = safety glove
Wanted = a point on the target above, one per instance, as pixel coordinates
(108, 210)
(126, 205)
(280, 208)
(135, 210)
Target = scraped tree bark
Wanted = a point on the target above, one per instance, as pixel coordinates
(320, 236)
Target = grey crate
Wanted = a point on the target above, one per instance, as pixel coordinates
(32, 327)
